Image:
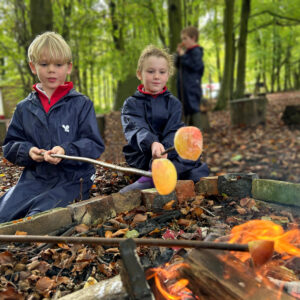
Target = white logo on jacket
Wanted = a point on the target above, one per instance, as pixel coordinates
(66, 128)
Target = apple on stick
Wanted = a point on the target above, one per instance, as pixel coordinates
(188, 142)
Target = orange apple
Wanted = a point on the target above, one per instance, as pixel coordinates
(261, 251)
(188, 142)
(164, 175)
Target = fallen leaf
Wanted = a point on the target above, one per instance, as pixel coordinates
(44, 286)
(108, 234)
(169, 205)
(139, 218)
(90, 281)
(120, 232)
(81, 228)
(10, 294)
(6, 258)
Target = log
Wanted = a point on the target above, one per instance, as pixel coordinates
(210, 278)
(248, 111)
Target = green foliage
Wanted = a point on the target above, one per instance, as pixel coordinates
(106, 42)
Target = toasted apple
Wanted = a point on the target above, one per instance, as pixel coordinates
(261, 251)
(188, 142)
(164, 176)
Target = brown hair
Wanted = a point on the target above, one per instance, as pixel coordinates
(191, 31)
(151, 50)
(53, 45)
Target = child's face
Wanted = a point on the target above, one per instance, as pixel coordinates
(187, 41)
(154, 75)
(51, 74)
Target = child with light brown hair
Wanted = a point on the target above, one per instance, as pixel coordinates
(53, 119)
(150, 119)
(189, 61)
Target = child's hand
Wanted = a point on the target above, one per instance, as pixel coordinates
(54, 150)
(157, 149)
(180, 49)
(35, 154)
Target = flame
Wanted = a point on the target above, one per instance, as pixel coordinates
(284, 242)
(168, 285)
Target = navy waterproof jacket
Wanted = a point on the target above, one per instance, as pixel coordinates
(147, 119)
(190, 71)
(70, 123)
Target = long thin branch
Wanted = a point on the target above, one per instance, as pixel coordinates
(105, 164)
(117, 241)
(274, 15)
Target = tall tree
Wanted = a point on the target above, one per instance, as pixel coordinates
(242, 49)
(225, 93)
(175, 27)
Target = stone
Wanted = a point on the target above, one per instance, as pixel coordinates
(127, 201)
(207, 186)
(39, 224)
(291, 116)
(152, 200)
(94, 210)
(276, 191)
(236, 184)
(185, 190)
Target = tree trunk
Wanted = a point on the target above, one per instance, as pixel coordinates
(175, 27)
(41, 16)
(242, 49)
(225, 93)
(217, 46)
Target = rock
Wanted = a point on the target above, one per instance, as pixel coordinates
(207, 186)
(185, 190)
(236, 184)
(291, 116)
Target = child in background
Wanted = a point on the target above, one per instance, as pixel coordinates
(150, 119)
(53, 119)
(190, 71)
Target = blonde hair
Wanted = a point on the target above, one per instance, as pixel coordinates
(191, 31)
(52, 45)
(151, 50)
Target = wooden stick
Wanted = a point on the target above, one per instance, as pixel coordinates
(117, 241)
(104, 164)
(168, 150)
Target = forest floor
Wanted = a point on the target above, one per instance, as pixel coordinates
(272, 150)
(38, 271)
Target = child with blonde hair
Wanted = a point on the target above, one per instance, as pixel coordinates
(150, 119)
(53, 119)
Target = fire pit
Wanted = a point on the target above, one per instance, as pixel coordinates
(62, 270)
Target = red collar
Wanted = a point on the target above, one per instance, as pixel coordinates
(192, 47)
(60, 92)
(140, 89)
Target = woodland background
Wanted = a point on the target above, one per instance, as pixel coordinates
(245, 42)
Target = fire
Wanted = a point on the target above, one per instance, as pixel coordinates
(284, 242)
(168, 285)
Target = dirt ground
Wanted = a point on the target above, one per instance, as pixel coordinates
(272, 150)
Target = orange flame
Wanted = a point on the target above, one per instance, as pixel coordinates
(167, 283)
(284, 242)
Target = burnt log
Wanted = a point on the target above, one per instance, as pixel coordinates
(291, 116)
(212, 277)
(132, 273)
